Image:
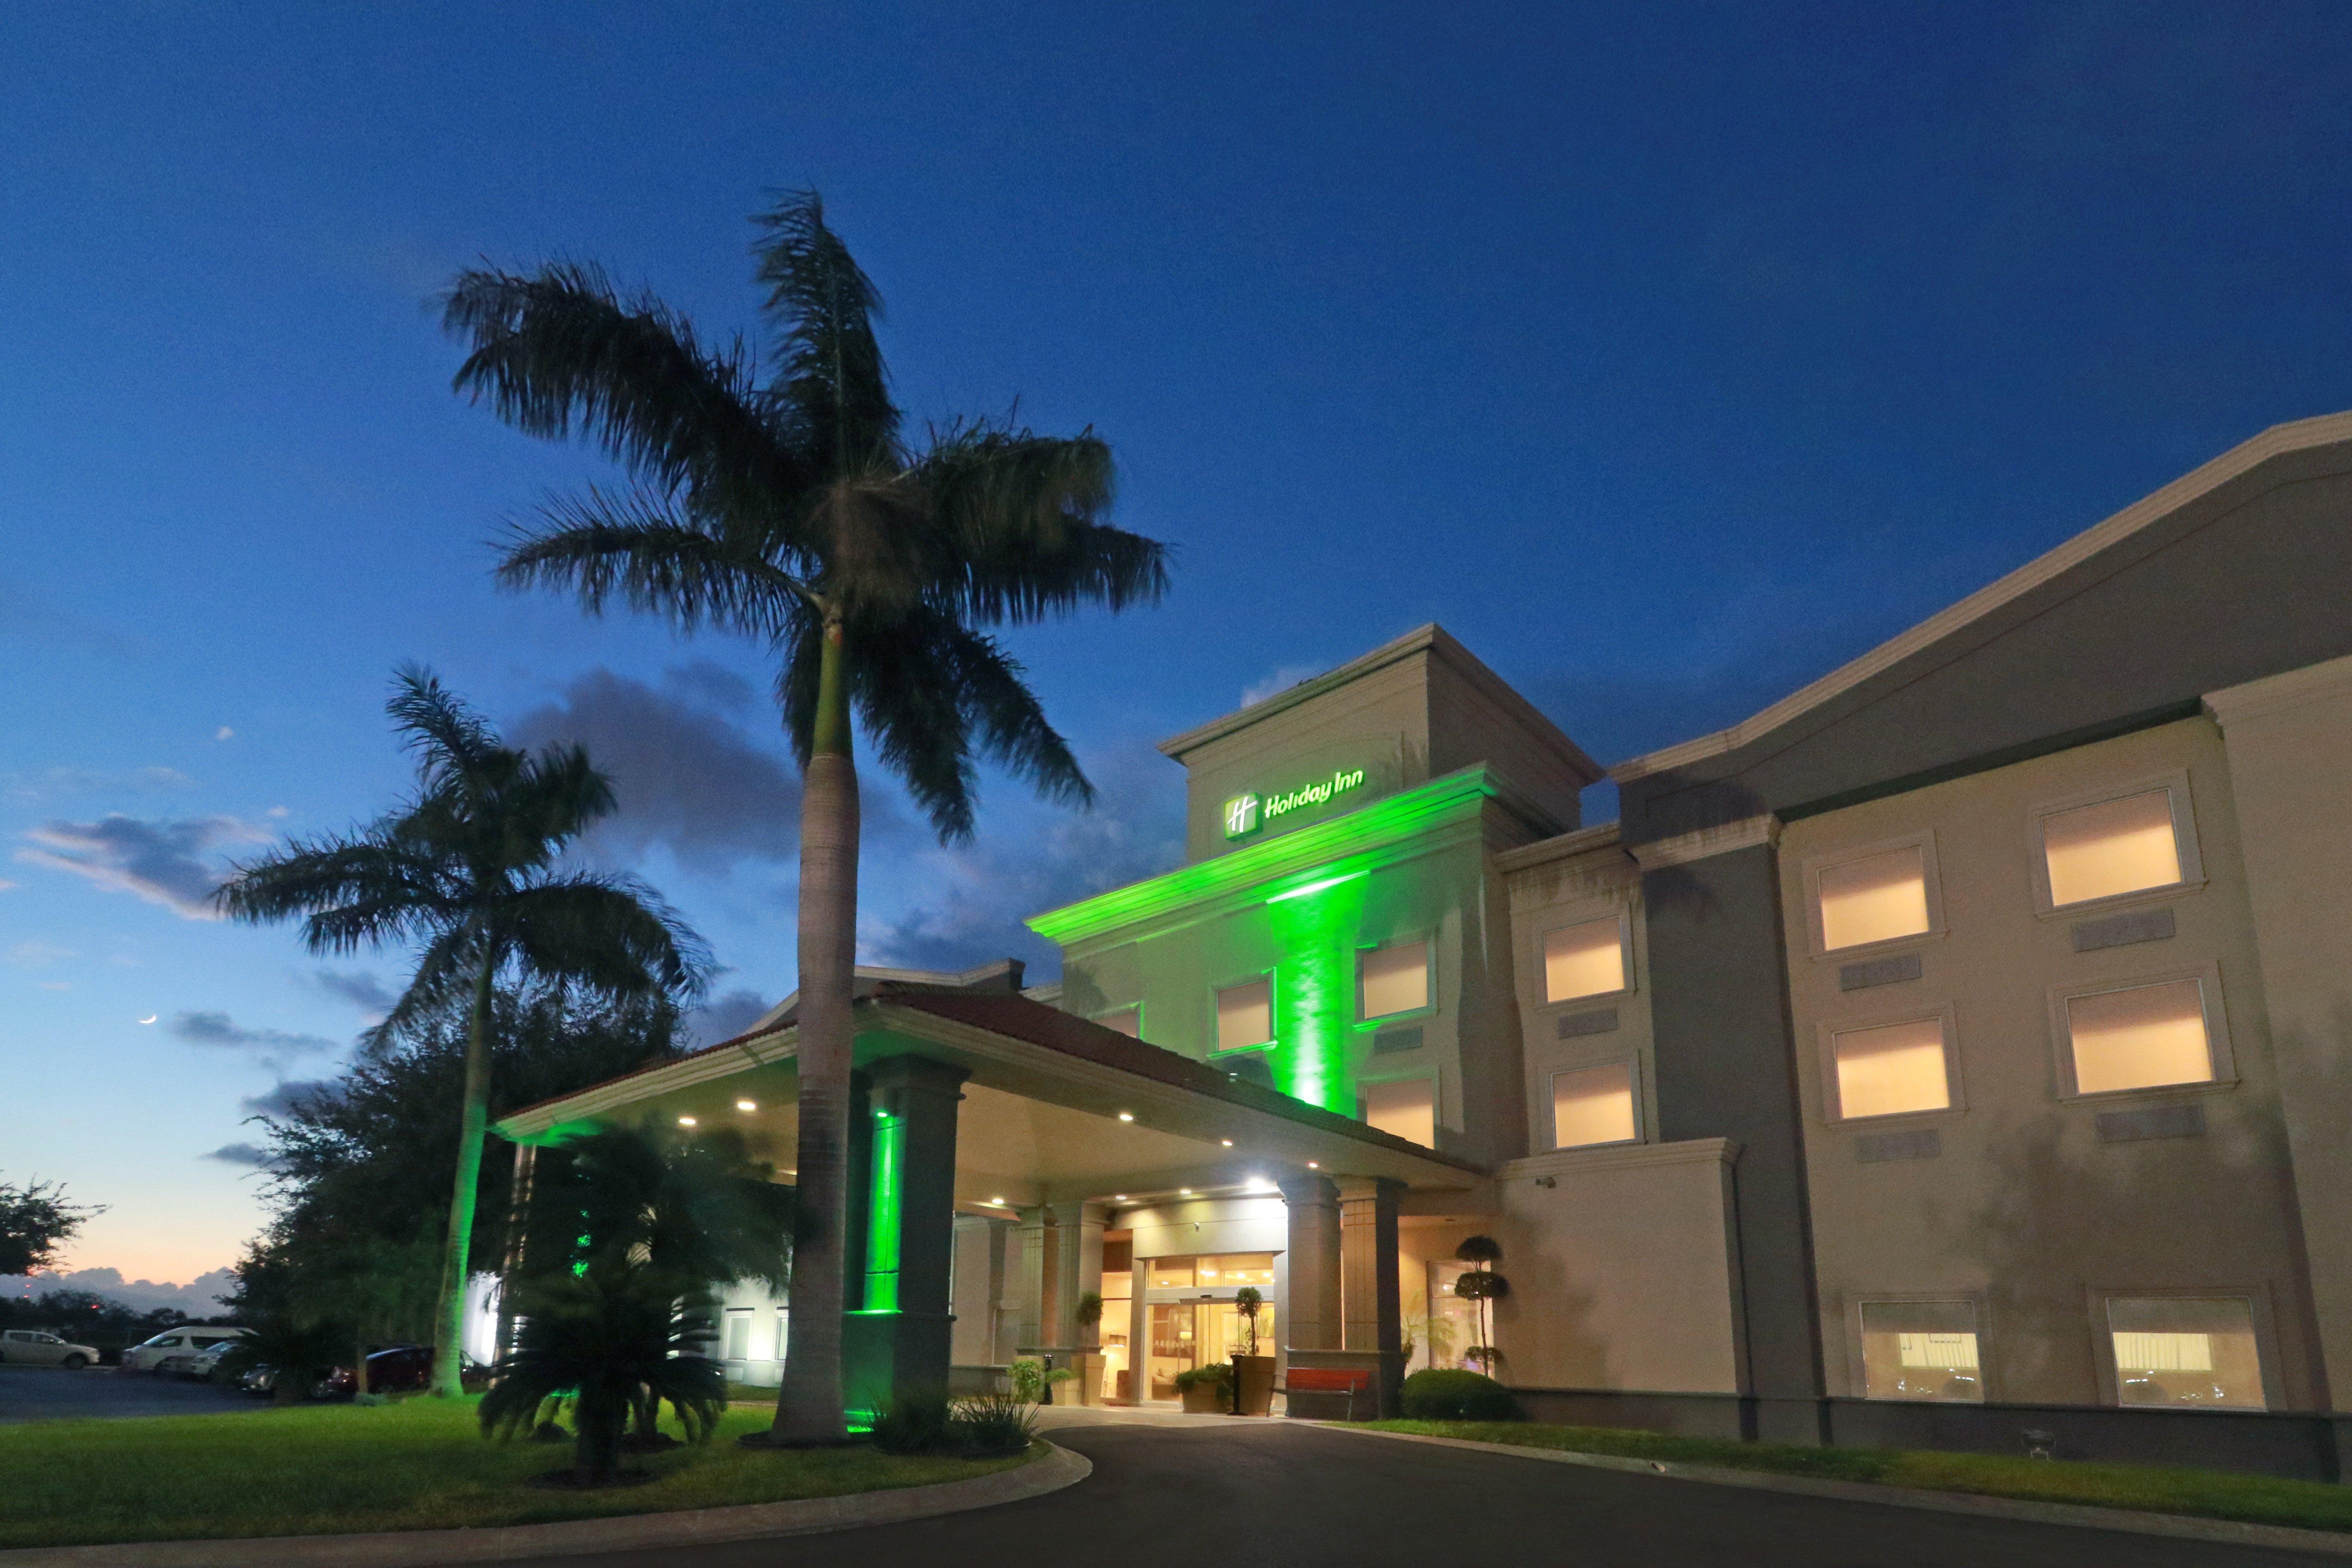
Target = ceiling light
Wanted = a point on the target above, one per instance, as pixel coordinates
(1184, 1192)
(1119, 1197)
(1127, 1116)
(998, 1202)
(1314, 1165)
(686, 1121)
(1226, 1141)
(747, 1105)
(1258, 1184)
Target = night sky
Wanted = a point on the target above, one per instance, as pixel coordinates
(1669, 356)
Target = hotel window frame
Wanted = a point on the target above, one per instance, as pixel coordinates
(2208, 977)
(1628, 1059)
(1567, 918)
(1108, 1014)
(1270, 974)
(1436, 1100)
(2184, 844)
(1931, 876)
(1427, 941)
(1832, 1096)
(2261, 1313)
(1857, 1366)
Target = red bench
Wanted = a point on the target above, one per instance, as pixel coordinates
(1329, 1380)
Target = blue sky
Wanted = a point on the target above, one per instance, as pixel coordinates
(1670, 356)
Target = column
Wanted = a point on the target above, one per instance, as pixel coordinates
(1370, 1294)
(1312, 1313)
(1031, 1264)
(1076, 1243)
(904, 1334)
(526, 1162)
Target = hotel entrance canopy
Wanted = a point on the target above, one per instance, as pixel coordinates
(1053, 1107)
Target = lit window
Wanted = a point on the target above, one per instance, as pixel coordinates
(1921, 1349)
(2114, 848)
(1128, 1021)
(1592, 1105)
(1245, 1015)
(1890, 1069)
(1584, 960)
(1406, 1108)
(738, 1336)
(1231, 1269)
(1172, 1273)
(1393, 980)
(2144, 1038)
(1876, 899)
(2193, 1353)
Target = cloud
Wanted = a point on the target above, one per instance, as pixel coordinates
(687, 776)
(200, 1297)
(33, 954)
(1280, 681)
(975, 899)
(723, 1017)
(359, 988)
(161, 862)
(24, 614)
(248, 1154)
(223, 733)
(47, 784)
(282, 1099)
(219, 1029)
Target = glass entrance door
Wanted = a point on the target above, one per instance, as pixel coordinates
(1192, 1333)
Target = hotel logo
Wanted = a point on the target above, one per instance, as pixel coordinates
(1241, 816)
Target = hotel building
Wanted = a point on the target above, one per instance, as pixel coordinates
(1957, 1053)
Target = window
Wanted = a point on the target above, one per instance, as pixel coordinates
(2185, 1351)
(1128, 1021)
(1171, 1274)
(1231, 1270)
(1876, 898)
(1406, 1108)
(1892, 1068)
(1921, 1349)
(2143, 1037)
(2114, 848)
(1245, 1015)
(1592, 1105)
(1392, 980)
(738, 1336)
(1584, 960)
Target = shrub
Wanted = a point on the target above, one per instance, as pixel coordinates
(1030, 1379)
(990, 1425)
(1219, 1373)
(918, 1422)
(1437, 1394)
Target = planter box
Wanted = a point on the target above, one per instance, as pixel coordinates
(1257, 1373)
(1204, 1399)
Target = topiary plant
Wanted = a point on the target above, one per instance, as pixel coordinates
(1439, 1394)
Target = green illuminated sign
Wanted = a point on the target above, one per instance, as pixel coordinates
(1247, 813)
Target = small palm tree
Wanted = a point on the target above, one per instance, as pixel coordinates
(466, 870)
(615, 1338)
(794, 510)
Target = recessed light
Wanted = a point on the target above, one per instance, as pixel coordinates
(747, 1105)
(686, 1121)
(1127, 1116)
(1226, 1141)
(998, 1202)
(1184, 1192)
(1119, 1197)
(1314, 1165)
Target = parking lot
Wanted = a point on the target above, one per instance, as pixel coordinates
(51, 1393)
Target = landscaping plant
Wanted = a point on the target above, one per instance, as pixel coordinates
(785, 501)
(1444, 1394)
(470, 871)
(1031, 1379)
(1482, 1286)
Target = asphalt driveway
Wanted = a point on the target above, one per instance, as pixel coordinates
(1268, 1493)
(51, 1393)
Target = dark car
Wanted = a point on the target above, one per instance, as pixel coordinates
(402, 1369)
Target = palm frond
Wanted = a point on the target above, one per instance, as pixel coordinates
(639, 547)
(452, 742)
(829, 373)
(352, 892)
(610, 934)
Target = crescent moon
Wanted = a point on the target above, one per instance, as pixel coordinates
(150, 1018)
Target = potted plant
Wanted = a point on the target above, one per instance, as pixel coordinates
(1252, 1372)
(1204, 1389)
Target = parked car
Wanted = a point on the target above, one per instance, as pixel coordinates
(197, 1365)
(402, 1369)
(30, 1347)
(150, 1355)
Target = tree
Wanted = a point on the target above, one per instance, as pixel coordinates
(466, 870)
(795, 511)
(629, 1230)
(1480, 1285)
(34, 1221)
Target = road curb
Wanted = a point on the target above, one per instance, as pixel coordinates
(2217, 1531)
(618, 1533)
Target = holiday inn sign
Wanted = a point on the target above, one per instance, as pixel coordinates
(1247, 811)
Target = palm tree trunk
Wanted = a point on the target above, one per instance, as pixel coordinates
(449, 1311)
(809, 1405)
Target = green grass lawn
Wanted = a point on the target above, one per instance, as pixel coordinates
(2207, 1494)
(418, 1464)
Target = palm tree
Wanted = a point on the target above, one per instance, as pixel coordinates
(793, 509)
(468, 871)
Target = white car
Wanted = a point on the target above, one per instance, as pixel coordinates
(187, 1342)
(30, 1347)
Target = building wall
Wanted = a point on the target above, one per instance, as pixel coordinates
(2013, 1198)
(1597, 883)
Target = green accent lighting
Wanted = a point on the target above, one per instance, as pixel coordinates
(882, 1212)
(1314, 930)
